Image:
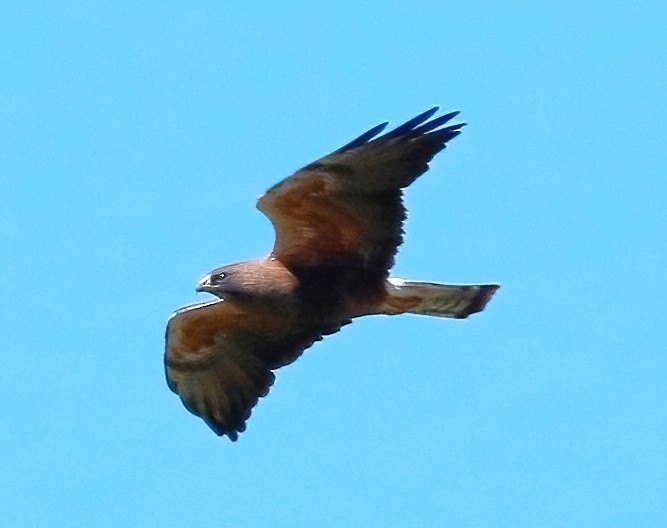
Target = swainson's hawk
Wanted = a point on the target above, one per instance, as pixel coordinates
(338, 222)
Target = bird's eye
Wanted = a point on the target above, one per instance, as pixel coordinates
(217, 278)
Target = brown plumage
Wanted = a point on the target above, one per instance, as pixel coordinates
(338, 222)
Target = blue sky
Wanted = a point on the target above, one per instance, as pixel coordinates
(135, 139)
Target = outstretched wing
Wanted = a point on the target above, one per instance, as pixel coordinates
(220, 358)
(346, 209)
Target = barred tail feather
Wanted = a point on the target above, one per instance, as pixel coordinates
(439, 300)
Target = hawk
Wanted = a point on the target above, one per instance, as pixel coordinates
(338, 225)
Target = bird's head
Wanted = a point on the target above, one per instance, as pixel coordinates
(219, 282)
(263, 278)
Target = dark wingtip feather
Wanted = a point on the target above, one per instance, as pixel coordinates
(446, 134)
(220, 430)
(364, 138)
(408, 126)
(435, 123)
(417, 126)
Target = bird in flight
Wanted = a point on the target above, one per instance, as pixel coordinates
(338, 223)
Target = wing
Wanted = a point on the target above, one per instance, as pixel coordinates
(346, 209)
(220, 359)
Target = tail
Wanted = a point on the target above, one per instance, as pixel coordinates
(439, 300)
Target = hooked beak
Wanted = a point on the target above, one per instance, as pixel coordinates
(205, 284)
